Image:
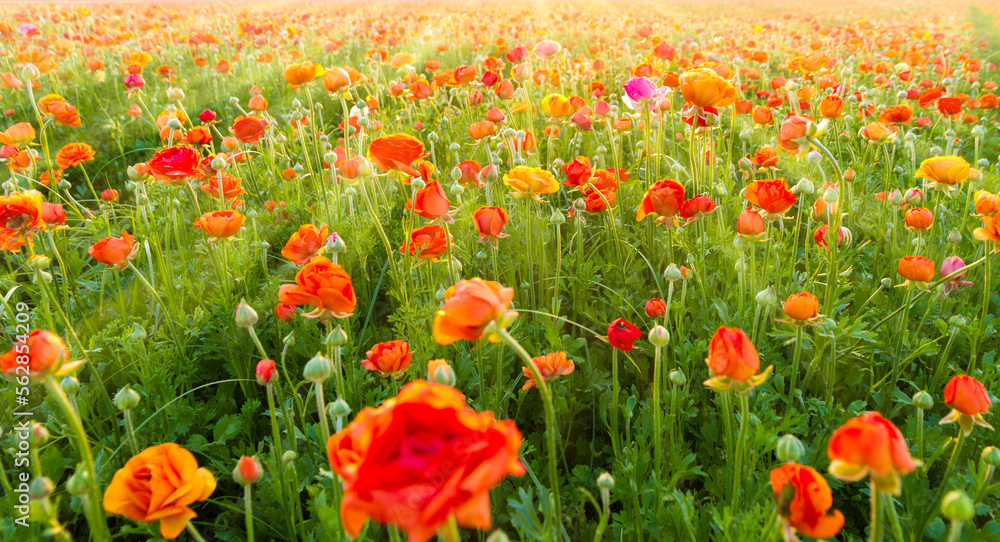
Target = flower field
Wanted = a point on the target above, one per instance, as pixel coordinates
(500, 271)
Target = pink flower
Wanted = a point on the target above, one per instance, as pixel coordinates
(133, 81)
(546, 48)
(640, 91)
(950, 265)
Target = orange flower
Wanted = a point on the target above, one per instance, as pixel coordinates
(42, 353)
(916, 268)
(969, 401)
(396, 152)
(663, 199)
(430, 202)
(230, 186)
(750, 223)
(986, 203)
(530, 181)
(174, 164)
(53, 214)
(248, 130)
(388, 358)
(792, 130)
(116, 251)
(55, 106)
(801, 307)
(944, 170)
(919, 218)
(481, 129)
(804, 501)
(298, 74)
(470, 306)
(220, 224)
(771, 195)
(159, 484)
(392, 475)
(324, 285)
(831, 107)
(489, 223)
(870, 444)
(765, 157)
(306, 243)
(549, 366)
(335, 80)
(896, 114)
(876, 131)
(990, 231)
(21, 212)
(733, 359)
(74, 154)
(703, 87)
(18, 135)
(426, 242)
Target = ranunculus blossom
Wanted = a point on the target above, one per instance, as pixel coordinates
(430, 202)
(663, 199)
(733, 361)
(489, 222)
(390, 460)
(918, 218)
(953, 264)
(116, 251)
(528, 181)
(969, 401)
(621, 334)
(870, 444)
(159, 484)
(284, 312)
(550, 366)
(220, 224)
(771, 195)
(916, 268)
(426, 242)
(469, 307)
(174, 164)
(42, 353)
(388, 358)
(801, 307)
(396, 152)
(750, 223)
(944, 171)
(323, 285)
(703, 87)
(265, 371)
(305, 243)
(641, 92)
(805, 505)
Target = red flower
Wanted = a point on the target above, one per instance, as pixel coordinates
(804, 501)
(772, 195)
(621, 334)
(656, 308)
(174, 164)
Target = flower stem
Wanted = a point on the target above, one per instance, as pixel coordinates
(248, 507)
(875, 517)
(657, 414)
(738, 464)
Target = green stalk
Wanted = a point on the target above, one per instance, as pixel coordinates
(248, 508)
(738, 464)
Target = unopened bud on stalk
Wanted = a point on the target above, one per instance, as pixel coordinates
(418, 184)
(133, 173)
(218, 163)
(339, 408)
(659, 336)
(70, 384)
(441, 372)
(991, 455)
(830, 195)
(790, 449)
(958, 321)
(39, 261)
(896, 198)
(677, 377)
(456, 174)
(38, 435)
(886, 282)
(557, 217)
(289, 340)
(923, 400)
(457, 190)
(804, 187)
(767, 298)
(606, 481)
(954, 237)
(41, 487)
(814, 157)
(957, 506)
(248, 470)
(289, 457)
(498, 536)
(245, 315)
(672, 273)
(127, 398)
(76, 484)
(336, 338)
(439, 294)
(318, 370)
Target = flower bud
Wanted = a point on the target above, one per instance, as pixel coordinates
(830, 195)
(318, 370)
(958, 321)
(923, 400)
(790, 448)
(914, 197)
(441, 372)
(677, 377)
(849, 174)
(991, 455)
(896, 198)
(76, 484)
(41, 487)
(289, 457)
(954, 237)
(605, 481)
(673, 273)
(418, 184)
(265, 372)
(659, 336)
(336, 338)
(38, 435)
(498, 536)
(218, 163)
(767, 298)
(804, 187)
(127, 398)
(248, 470)
(289, 340)
(39, 261)
(957, 506)
(557, 218)
(70, 384)
(245, 315)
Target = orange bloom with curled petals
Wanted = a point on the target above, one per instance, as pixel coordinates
(557, 106)
(765, 157)
(733, 361)
(220, 224)
(944, 170)
(831, 107)
(421, 458)
(919, 218)
(870, 445)
(481, 129)
(916, 268)
(18, 135)
(335, 80)
(230, 186)
(388, 358)
(469, 307)
(55, 106)
(42, 353)
(550, 366)
(305, 243)
(801, 307)
(426, 242)
(489, 223)
(663, 199)
(21, 212)
(159, 484)
(116, 251)
(703, 87)
(74, 154)
(430, 202)
(804, 500)
(896, 114)
(298, 74)
(324, 285)
(248, 130)
(771, 195)
(969, 401)
(396, 152)
(989, 232)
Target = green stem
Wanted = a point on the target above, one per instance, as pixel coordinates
(738, 464)
(875, 517)
(133, 443)
(248, 508)
(657, 414)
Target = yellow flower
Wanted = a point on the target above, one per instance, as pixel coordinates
(530, 181)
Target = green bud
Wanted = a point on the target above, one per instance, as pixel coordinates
(557, 218)
(677, 377)
(923, 400)
(318, 370)
(76, 484)
(41, 487)
(39, 261)
(38, 435)
(497, 536)
(659, 336)
(991, 455)
(289, 457)
(789, 448)
(418, 184)
(336, 338)
(957, 506)
(127, 398)
(70, 384)
(767, 297)
(245, 315)
(339, 408)
(289, 339)
(605, 481)
(673, 273)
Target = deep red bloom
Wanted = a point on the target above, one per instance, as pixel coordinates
(622, 334)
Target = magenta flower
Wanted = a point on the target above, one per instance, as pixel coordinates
(641, 92)
(950, 265)
(133, 81)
